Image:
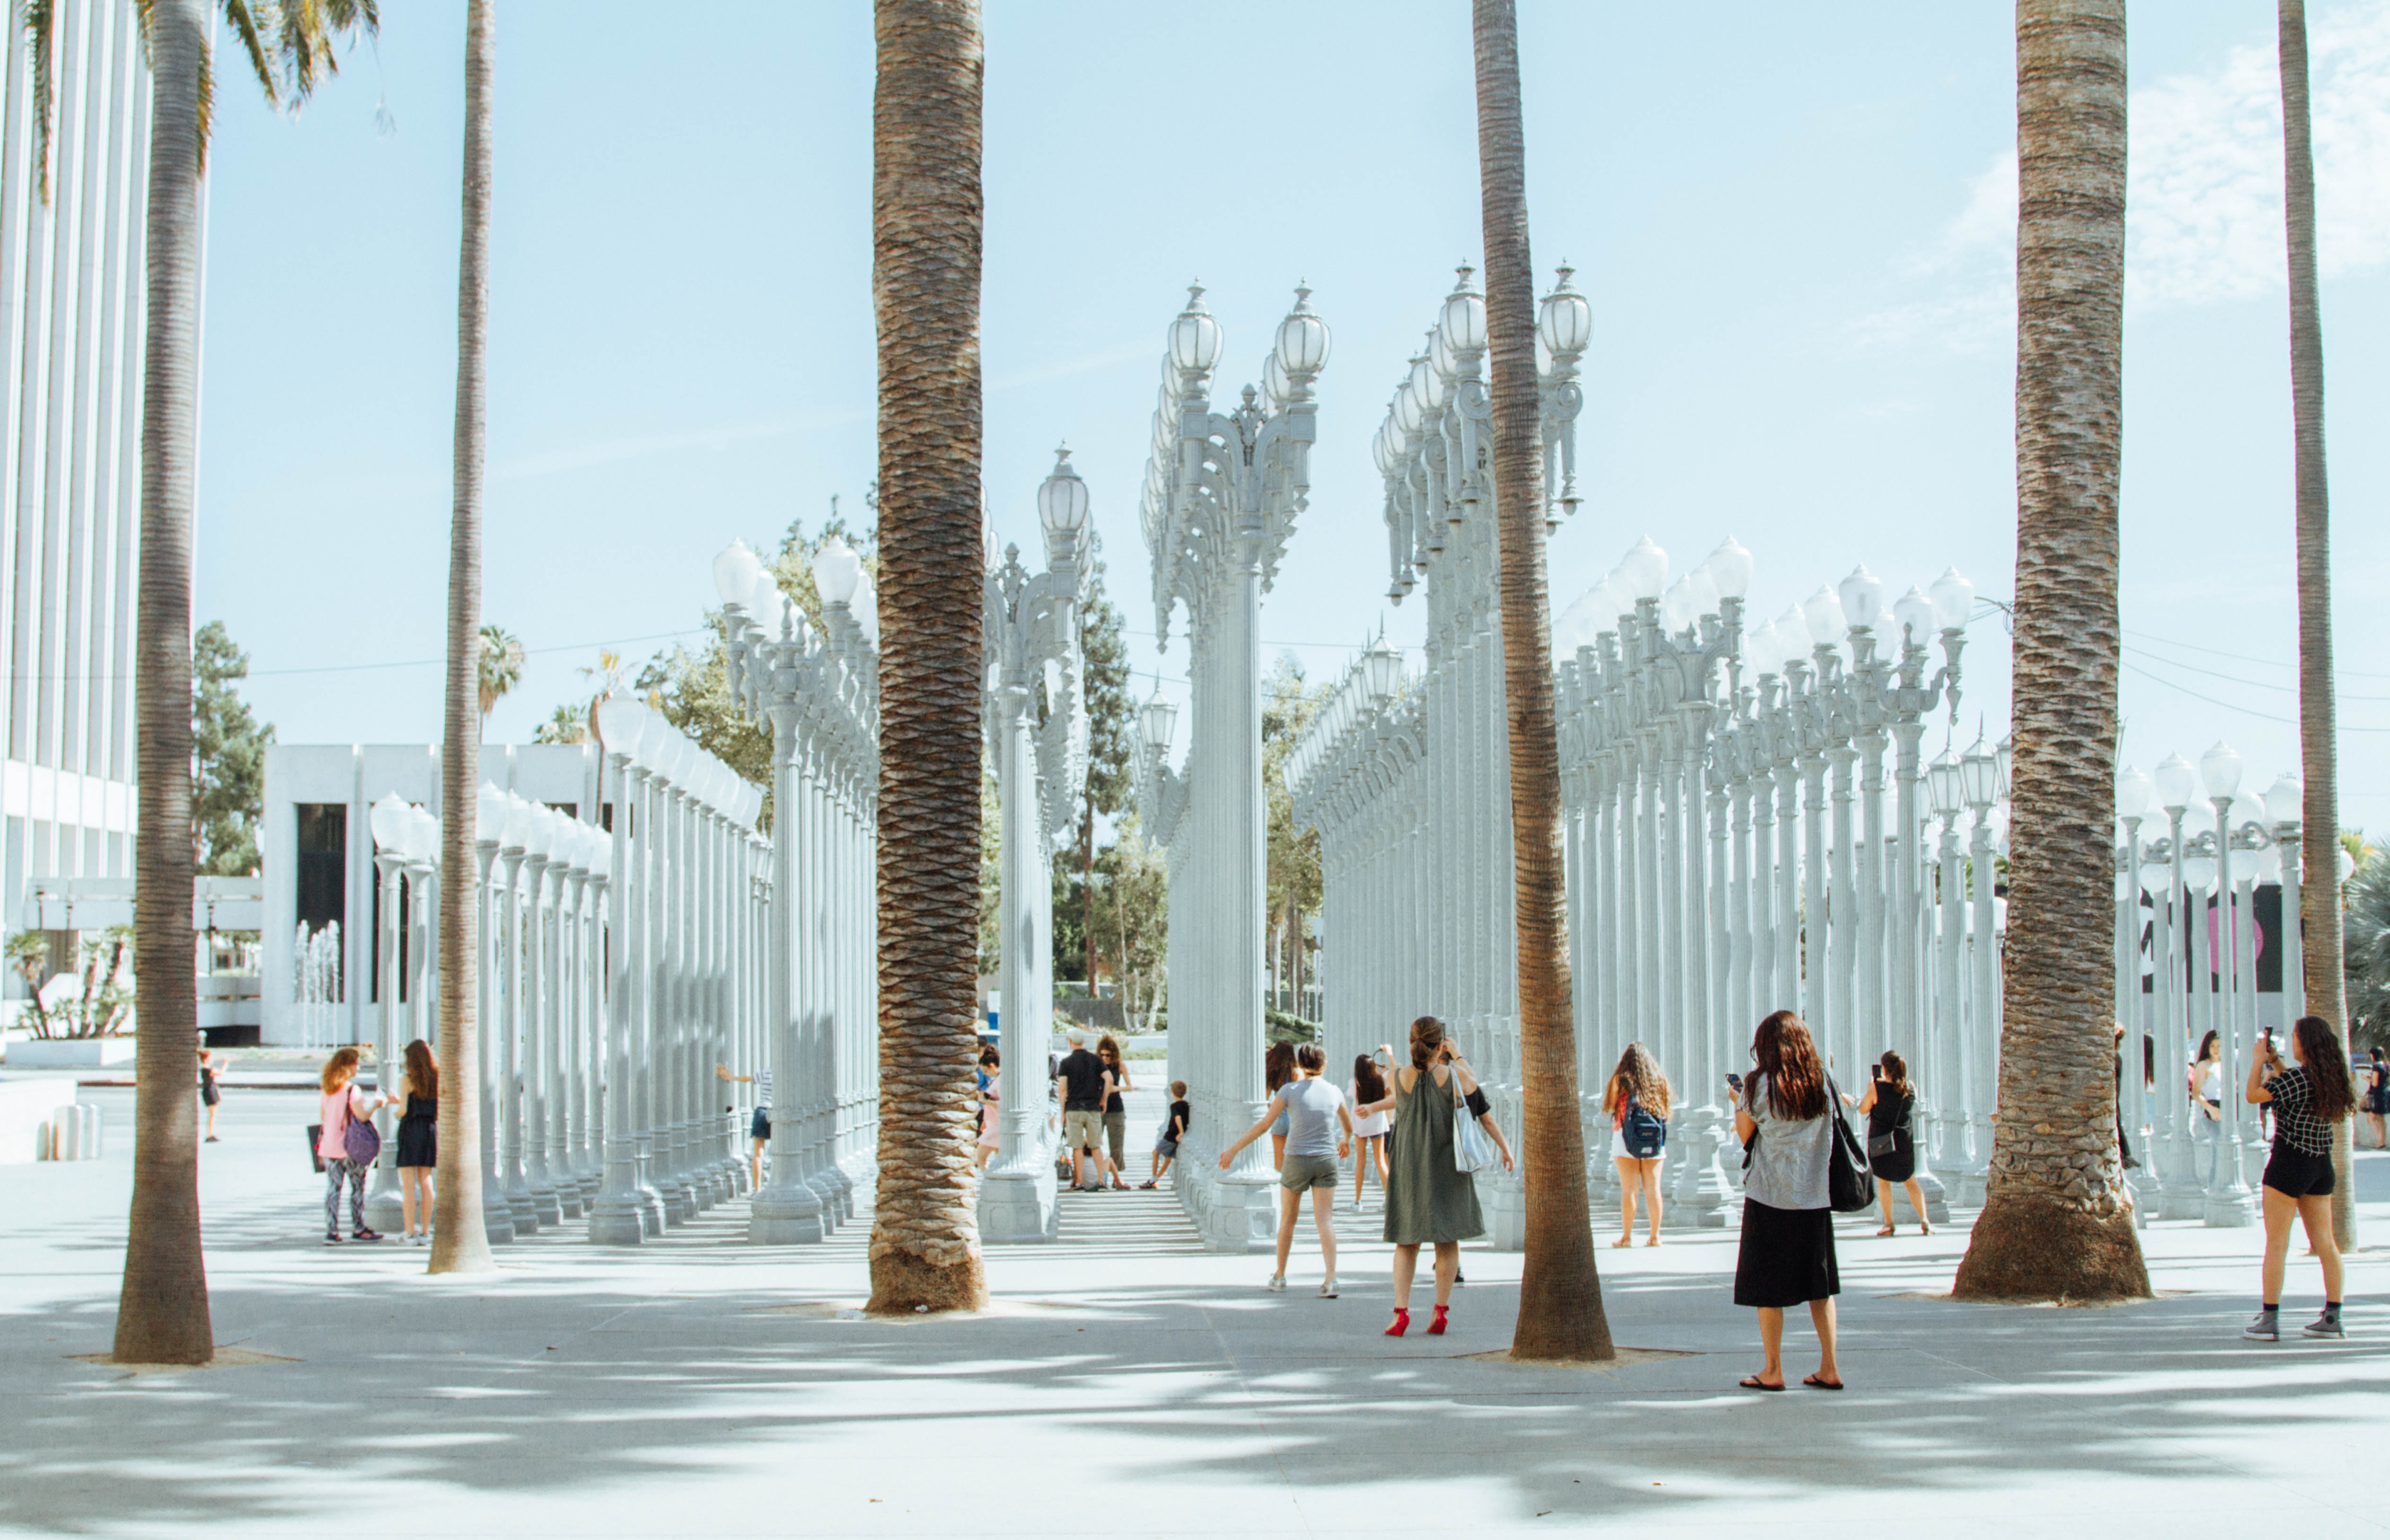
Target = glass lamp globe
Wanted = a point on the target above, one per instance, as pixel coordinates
(1195, 336)
(2347, 864)
(1380, 454)
(733, 572)
(1705, 591)
(2199, 873)
(388, 820)
(837, 571)
(1063, 498)
(1943, 791)
(1275, 389)
(1822, 613)
(1644, 569)
(1410, 413)
(1979, 776)
(1303, 337)
(2004, 755)
(1729, 567)
(1914, 615)
(516, 831)
(1565, 321)
(1862, 597)
(1954, 599)
(765, 606)
(619, 719)
(1385, 673)
(489, 814)
(1763, 650)
(2133, 792)
(2177, 783)
(2285, 799)
(1157, 721)
(2220, 769)
(1463, 321)
(423, 837)
(1679, 609)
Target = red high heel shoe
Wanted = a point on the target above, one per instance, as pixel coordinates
(1402, 1322)
(1436, 1328)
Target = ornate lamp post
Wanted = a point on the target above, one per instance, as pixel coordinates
(2230, 1202)
(1032, 621)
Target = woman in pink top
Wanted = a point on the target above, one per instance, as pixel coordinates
(342, 1105)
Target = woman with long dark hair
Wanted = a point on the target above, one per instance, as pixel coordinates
(1369, 1132)
(1892, 1137)
(1116, 1082)
(1429, 1200)
(418, 1141)
(1787, 1253)
(2208, 1103)
(1278, 1067)
(1636, 1100)
(2308, 1099)
(2377, 1097)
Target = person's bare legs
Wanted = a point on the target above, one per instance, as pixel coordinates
(1290, 1204)
(2381, 1140)
(2279, 1208)
(1822, 1315)
(1360, 1168)
(1883, 1196)
(1447, 1263)
(1405, 1263)
(406, 1200)
(2315, 1214)
(1630, 1181)
(1377, 1154)
(214, 1106)
(1771, 1347)
(756, 1163)
(1651, 1186)
(1323, 1213)
(1278, 1152)
(1915, 1205)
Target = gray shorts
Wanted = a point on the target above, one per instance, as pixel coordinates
(1301, 1172)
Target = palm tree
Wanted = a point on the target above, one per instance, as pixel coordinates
(926, 212)
(162, 1312)
(1560, 1291)
(499, 665)
(459, 1241)
(2057, 1220)
(2320, 923)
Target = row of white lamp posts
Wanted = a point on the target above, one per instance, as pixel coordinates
(600, 1025)
(1221, 496)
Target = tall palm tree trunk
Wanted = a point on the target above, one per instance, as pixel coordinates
(2319, 922)
(162, 1315)
(1559, 1293)
(2057, 1220)
(459, 1242)
(926, 212)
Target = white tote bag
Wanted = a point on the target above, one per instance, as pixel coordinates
(1473, 1148)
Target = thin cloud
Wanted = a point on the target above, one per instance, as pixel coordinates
(615, 450)
(2204, 209)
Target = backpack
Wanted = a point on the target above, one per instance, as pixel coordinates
(1643, 1131)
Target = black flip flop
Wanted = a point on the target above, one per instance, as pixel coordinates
(1752, 1383)
(1815, 1383)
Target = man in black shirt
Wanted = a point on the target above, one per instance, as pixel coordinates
(1082, 1077)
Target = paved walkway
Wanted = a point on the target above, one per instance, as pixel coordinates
(1126, 1383)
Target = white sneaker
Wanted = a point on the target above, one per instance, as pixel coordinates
(1328, 1289)
(1278, 1284)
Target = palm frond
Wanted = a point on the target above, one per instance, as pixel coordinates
(41, 16)
(252, 42)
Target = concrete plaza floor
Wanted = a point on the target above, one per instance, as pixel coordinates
(1126, 1383)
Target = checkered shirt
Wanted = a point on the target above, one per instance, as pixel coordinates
(2294, 1121)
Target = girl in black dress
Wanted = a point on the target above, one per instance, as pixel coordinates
(418, 1141)
(2377, 1098)
(1892, 1137)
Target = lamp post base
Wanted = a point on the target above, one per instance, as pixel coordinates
(520, 1208)
(2232, 1206)
(785, 1213)
(615, 1220)
(1016, 1206)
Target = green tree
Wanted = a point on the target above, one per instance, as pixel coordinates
(1132, 916)
(228, 757)
(1288, 703)
(567, 724)
(1560, 1314)
(500, 669)
(2365, 945)
(2057, 1222)
(1104, 678)
(162, 1310)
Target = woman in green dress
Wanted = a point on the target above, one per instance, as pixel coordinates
(1429, 1200)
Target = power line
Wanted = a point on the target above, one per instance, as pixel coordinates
(2245, 711)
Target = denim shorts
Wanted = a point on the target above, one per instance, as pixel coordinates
(760, 1126)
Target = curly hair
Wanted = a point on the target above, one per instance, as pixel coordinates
(2327, 1066)
(1637, 1079)
(1796, 1081)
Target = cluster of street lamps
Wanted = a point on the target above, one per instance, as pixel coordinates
(1221, 495)
(1730, 849)
(2178, 979)
(1034, 658)
(818, 687)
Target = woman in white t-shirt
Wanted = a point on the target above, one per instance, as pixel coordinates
(2207, 1102)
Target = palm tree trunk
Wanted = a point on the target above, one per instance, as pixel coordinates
(459, 1241)
(2320, 900)
(926, 216)
(162, 1315)
(2057, 1220)
(1559, 1293)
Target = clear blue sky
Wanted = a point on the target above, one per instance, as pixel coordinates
(1795, 224)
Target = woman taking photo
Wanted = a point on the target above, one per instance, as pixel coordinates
(2308, 1099)
(2208, 1103)
(418, 1141)
(337, 1112)
(1636, 1100)
(1892, 1138)
(1429, 1200)
(1369, 1134)
(1787, 1255)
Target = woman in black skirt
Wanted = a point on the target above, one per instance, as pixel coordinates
(1787, 1255)
(418, 1141)
(1892, 1137)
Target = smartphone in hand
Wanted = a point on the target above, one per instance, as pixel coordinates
(1734, 1083)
